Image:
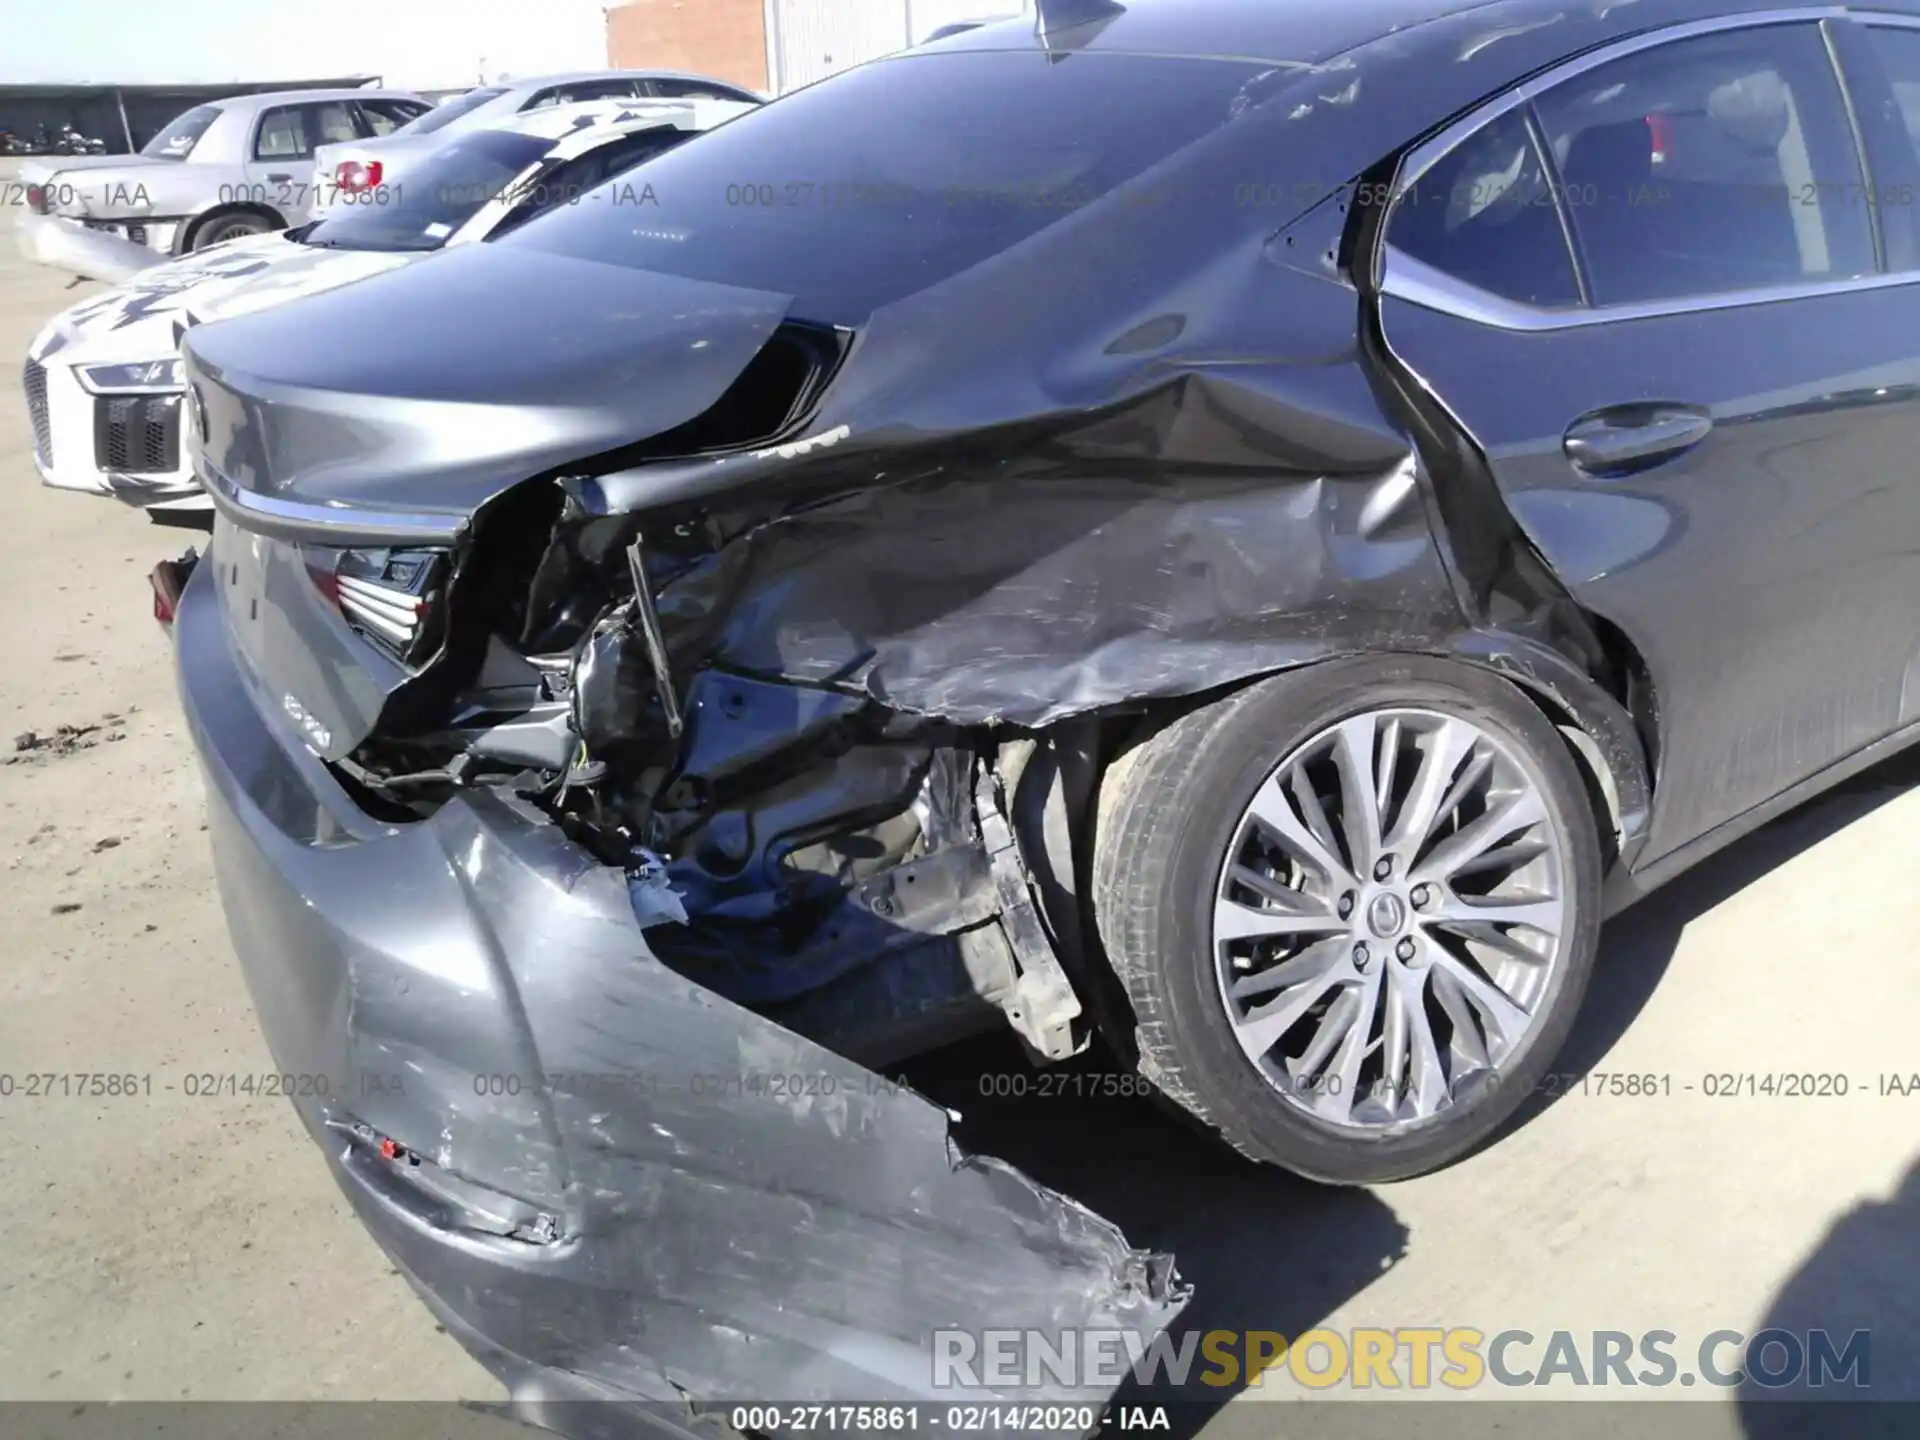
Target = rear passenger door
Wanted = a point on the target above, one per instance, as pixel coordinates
(1654, 286)
(280, 164)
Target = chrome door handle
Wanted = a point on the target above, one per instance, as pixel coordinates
(1626, 438)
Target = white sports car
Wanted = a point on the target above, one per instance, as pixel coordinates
(103, 379)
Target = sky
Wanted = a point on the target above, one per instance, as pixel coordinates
(412, 44)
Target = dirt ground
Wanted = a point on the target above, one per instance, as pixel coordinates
(156, 1245)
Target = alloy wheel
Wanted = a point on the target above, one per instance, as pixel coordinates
(1389, 918)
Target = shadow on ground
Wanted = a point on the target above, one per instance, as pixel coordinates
(1638, 945)
(1263, 1249)
(1863, 1276)
(1266, 1250)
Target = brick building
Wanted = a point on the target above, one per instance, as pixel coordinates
(779, 45)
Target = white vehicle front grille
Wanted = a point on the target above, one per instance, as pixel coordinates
(35, 378)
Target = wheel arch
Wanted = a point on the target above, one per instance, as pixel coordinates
(194, 224)
(1083, 760)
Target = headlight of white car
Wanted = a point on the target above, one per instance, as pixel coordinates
(145, 377)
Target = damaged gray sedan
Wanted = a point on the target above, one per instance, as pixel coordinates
(1234, 533)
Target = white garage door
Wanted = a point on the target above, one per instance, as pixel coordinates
(811, 39)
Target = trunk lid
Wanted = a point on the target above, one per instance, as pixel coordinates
(421, 391)
(41, 168)
(378, 418)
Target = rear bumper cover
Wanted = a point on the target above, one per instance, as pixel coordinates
(66, 244)
(606, 1180)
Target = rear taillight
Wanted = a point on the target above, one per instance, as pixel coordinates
(387, 595)
(168, 579)
(37, 199)
(356, 176)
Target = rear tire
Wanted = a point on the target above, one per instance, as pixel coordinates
(1172, 910)
(217, 228)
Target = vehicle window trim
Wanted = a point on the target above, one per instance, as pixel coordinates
(1570, 237)
(1883, 135)
(1402, 276)
(1829, 33)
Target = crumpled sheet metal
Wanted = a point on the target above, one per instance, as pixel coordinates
(740, 1212)
(1027, 599)
(1122, 520)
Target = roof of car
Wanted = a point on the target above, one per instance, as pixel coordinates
(1306, 32)
(295, 97)
(536, 82)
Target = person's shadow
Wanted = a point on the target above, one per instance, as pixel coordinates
(1863, 1276)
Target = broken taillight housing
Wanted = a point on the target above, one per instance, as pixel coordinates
(168, 579)
(389, 596)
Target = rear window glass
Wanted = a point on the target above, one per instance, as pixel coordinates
(979, 151)
(448, 111)
(440, 195)
(176, 142)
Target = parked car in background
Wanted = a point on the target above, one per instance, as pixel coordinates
(231, 167)
(366, 167)
(103, 380)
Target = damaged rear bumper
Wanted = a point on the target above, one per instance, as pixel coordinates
(608, 1181)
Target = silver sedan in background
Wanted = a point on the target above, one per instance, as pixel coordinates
(232, 167)
(368, 169)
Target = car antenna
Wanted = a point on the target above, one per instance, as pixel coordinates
(1052, 17)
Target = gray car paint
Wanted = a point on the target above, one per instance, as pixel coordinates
(1400, 538)
(584, 1221)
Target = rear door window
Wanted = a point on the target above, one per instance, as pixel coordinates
(1485, 215)
(1712, 165)
(1899, 52)
(292, 132)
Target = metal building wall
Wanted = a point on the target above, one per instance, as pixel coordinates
(808, 40)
